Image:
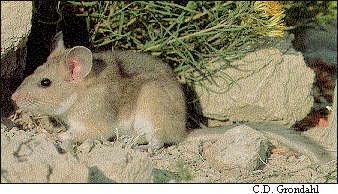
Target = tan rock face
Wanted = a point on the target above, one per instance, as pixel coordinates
(30, 158)
(240, 147)
(267, 85)
(332, 131)
(118, 164)
(34, 159)
(15, 22)
(15, 26)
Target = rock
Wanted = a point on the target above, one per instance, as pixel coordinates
(3, 127)
(16, 165)
(15, 26)
(268, 86)
(97, 176)
(117, 164)
(15, 22)
(29, 158)
(6, 124)
(331, 134)
(238, 148)
(67, 169)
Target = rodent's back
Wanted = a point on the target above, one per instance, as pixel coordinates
(136, 65)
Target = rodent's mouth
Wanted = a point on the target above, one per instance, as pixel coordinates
(35, 106)
(23, 105)
(26, 104)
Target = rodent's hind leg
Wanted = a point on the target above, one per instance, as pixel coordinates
(146, 127)
(160, 113)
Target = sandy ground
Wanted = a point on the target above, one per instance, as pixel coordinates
(185, 163)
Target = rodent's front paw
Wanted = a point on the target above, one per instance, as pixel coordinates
(65, 136)
(151, 148)
(66, 140)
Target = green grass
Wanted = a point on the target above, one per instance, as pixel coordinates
(308, 13)
(189, 37)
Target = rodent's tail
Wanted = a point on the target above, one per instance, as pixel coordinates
(288, 137)
(295, 140)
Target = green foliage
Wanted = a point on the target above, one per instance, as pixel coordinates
(183, 171)
(191, 36)
(303, 13)
(163, 176)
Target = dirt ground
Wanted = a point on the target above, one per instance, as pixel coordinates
(185, 163)
(283, 166)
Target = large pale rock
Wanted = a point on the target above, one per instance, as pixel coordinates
(267, 85)
(28, 158)
(15, 26)
(331, 134)
(15, 22)
(117, 164)
(238, 148)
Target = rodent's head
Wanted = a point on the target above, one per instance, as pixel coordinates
(54, 86)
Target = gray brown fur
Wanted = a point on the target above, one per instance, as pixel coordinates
(126, 91)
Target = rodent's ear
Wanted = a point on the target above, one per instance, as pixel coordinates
(58, 45)
(79, 60)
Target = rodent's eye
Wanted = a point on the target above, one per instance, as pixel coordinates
(45, 82)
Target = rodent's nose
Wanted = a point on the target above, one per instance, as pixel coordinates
(15, 97)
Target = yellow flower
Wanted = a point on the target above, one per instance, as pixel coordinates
(279, 31)
(274, 10)
(273, 31)
(269, 8)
